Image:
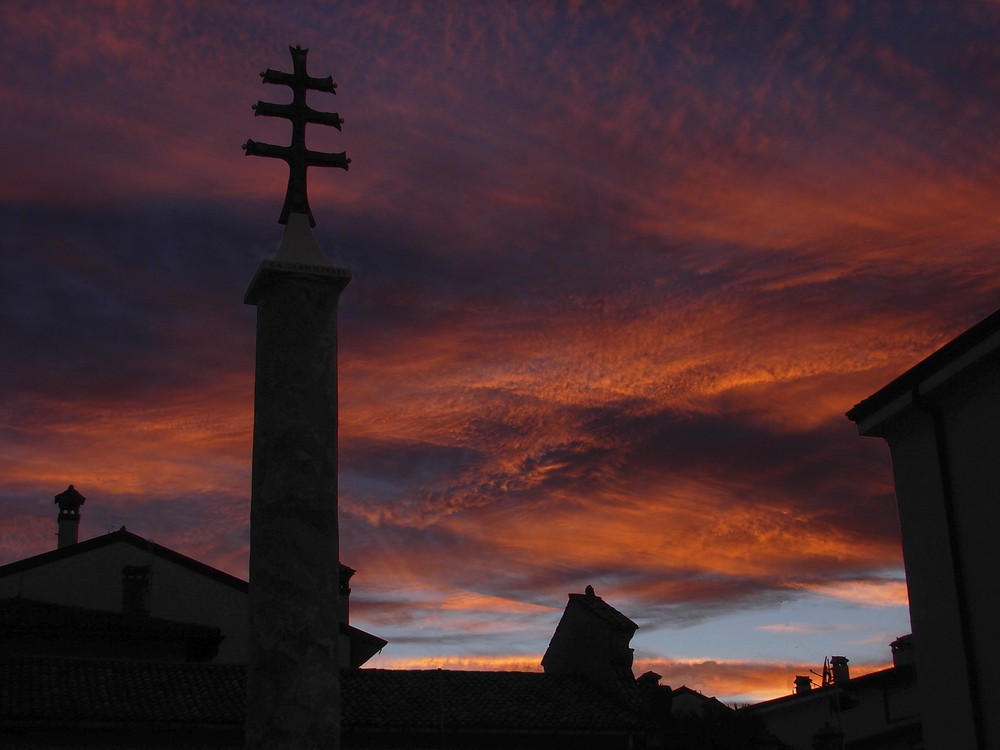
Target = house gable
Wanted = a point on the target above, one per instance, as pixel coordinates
(89, 574)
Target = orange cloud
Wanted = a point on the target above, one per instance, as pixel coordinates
(474, 664)
(739, 682)
(869, 593)
(619, 275)
(731, 681)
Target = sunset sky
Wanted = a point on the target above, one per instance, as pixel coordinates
(619, 270)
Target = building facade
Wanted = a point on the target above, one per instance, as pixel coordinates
(941, 420)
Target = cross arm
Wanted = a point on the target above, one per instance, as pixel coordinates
(290, 79)
(289, 111)
(299, 114)
(256, 148)
(324, 159)
(307, 157)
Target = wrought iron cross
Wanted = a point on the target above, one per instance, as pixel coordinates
(296, 155)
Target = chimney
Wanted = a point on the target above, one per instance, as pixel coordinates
(902, 651)
(841, 673)
(135, 589)
(657, 699)
(803, 684)
(69, 503)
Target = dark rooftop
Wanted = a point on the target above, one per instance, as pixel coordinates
(596, 605)
(55, 691)
(191, 694)
(127, 537)
(477, 700)
(962, 344)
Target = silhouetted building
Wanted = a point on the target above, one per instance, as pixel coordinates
(452, 709)
(143, 583)
(877, 711)
(124, 573)
(687, 702)
(941, 420)
(592, 641)
(46, 700)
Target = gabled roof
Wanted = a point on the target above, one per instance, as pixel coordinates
(597, 606)
(126, 537)
(363, 645)
(64, 691)
(883, 678)
(685, 691)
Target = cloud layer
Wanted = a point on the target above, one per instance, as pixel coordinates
(618, 274)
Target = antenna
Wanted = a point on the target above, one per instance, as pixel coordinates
(826, 679)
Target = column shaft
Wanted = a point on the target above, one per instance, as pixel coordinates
(293, 687)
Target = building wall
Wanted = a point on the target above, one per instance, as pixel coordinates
(974, 441)
(946, 462)
(688, 703)
(934, 601)
(860, 713)
(94, 580)
(586, 645)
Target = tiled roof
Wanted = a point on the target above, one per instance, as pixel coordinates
(429, 699)
(133, 692)
(147, 693)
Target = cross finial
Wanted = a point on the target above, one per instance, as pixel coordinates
(296, 155)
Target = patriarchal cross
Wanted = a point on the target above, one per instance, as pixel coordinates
(298, 157)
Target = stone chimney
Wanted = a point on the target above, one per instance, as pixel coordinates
(902, 651)
(657, 699)
(841, 673)
(592, 640)
(69, 503)
(803, 684)
(135, 589)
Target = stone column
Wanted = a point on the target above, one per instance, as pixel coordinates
(293, 683)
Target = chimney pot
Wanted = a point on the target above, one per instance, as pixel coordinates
(135, 589)
(841, 673)
(902, 651)
(69, 503)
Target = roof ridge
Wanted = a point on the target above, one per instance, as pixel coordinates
(128, 537)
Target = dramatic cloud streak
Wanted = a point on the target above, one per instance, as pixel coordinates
(618, 275)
